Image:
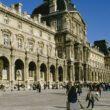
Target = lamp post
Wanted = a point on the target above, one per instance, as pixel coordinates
(18, 75)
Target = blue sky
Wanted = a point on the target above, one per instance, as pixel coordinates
(96, 14)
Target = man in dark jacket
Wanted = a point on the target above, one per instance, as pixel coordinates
(39, 87)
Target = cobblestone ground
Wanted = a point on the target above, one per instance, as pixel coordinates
(46, 100)
(102, 104)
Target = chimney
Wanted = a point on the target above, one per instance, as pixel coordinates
(37, 17)
(74, 6)
(12, 7)
(25, 13)
(18, 7)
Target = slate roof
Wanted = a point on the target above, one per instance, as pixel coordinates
(61, 6)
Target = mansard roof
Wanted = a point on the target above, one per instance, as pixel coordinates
(42, 9)
(61, 6)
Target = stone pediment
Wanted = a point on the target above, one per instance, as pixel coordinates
(20, 36)
(6, 31)
(78, 17)
(31, 39)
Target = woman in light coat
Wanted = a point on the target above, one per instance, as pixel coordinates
(91, 97)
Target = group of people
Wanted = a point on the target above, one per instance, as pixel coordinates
(37, 87)
(74, 103)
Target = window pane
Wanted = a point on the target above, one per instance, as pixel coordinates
(6, 39)
(19, 43)
(30, 47)
(6, 20)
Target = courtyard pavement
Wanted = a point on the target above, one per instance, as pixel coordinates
(46, 100)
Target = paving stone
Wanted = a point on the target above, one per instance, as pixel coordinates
(46, 100)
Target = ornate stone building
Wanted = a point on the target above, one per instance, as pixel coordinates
(49, 46)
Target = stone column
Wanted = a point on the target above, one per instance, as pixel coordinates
(2, 37)
(73, 73)
(56, 75)
(12, 69)
(48, 74)
(85, 73)
(89, 73)
(102, 77)
(96, 77)
(26, 72)
(70, 71)
(38, 71)
(65, 73)
(79, 72)
(48, 71)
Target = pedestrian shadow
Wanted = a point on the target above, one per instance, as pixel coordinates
(59, 93)
(59, 107)
(103, 105)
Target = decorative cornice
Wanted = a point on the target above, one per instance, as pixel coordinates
(6, 31)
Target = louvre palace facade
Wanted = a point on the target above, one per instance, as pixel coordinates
(49, 46)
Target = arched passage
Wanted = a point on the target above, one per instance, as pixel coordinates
(4, 68)
(60, 73)
(52, 71)
(32, 70)
(92, 76)
(95, 76)
(43, 70)
(19, 70)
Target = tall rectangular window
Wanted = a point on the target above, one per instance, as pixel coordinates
(6, 39)
(59, 24)
(60, 53)
(59, 39)
(19, 25)
(6, 20)
(31, 30)
(19, 43)
(30, 47)
(40, 33)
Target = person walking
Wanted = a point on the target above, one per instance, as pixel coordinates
(39, 87)
(68, 87)
(72, 99)
(79, 90)
(91, 97)
(100, 90)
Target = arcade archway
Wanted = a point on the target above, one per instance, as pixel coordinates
(19, 70)
(4, 68)
(60, 74)
(32, 70)
(43, 72)
(52, 71)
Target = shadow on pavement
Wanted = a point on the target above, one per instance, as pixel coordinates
(59, 107)
(59, 93)
(103, 105)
